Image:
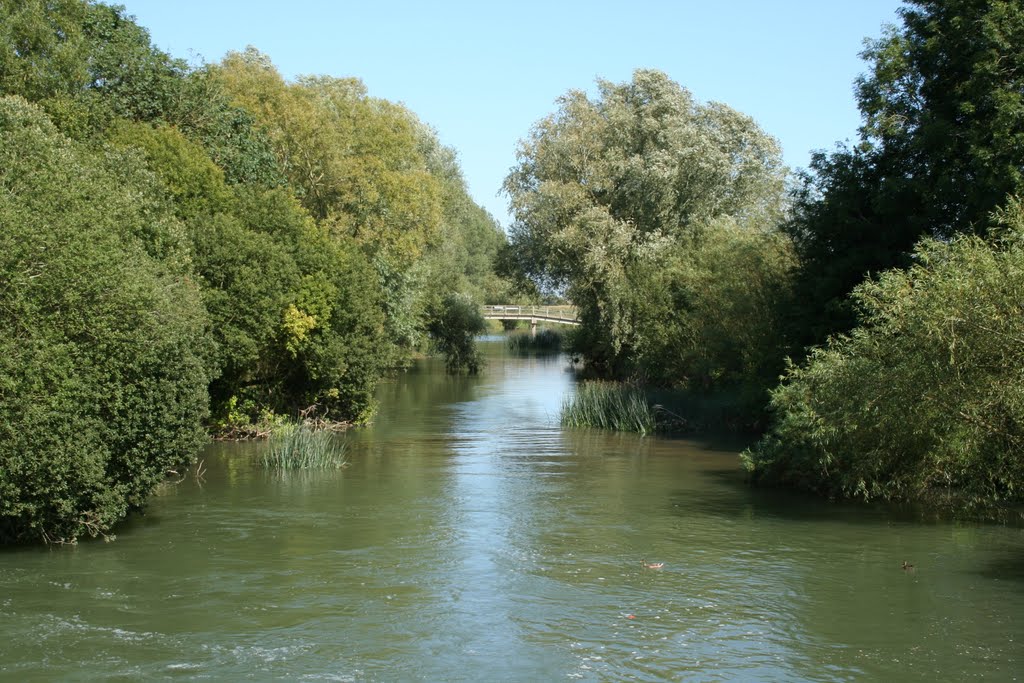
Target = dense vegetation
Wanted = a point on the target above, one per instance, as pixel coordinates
(925, 397)
(187, 248)
(657, 216)
(919, 396)
(886, 284)
(194, 247)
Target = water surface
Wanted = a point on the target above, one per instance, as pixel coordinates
(471, 538)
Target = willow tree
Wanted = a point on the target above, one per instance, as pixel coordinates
(607, 191)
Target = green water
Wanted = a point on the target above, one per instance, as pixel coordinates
(473, 539)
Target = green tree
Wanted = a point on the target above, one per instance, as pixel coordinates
(940, 148)
(708, 308)
(463, 257)
(607, 189)
(354, 160)
(103, 348)
(311, 333)
(454, 323)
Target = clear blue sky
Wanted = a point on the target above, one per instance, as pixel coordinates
(483, 73)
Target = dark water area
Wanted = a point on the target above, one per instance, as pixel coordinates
(472, 538)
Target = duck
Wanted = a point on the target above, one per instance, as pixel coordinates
(652, 565)
(907, 567)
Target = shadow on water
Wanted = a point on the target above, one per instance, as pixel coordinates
(732, 496)
(1007, 564)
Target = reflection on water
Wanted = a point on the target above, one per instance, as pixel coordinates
(474, 539)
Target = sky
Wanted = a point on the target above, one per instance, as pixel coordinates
(482, 73)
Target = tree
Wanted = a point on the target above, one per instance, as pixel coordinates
(708, 311)
(454, 323)
(104, 354)
(310, 334)
(355, 160)
(940, 148)
(605, 189)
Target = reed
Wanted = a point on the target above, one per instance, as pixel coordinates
(545, 341)
(300, 446)
(609, 405)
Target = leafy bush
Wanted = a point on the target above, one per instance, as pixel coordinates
(706, 314)
(103, 349)
(926, 397)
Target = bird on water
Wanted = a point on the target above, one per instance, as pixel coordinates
(652, 565)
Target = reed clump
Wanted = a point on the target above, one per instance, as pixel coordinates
(609, 405)
(302, 446)
(545, 341)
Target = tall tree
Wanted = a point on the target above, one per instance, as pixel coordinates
(605, 188)
(941, 146)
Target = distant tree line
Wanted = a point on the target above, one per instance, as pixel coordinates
(185, 247)
(883, 284)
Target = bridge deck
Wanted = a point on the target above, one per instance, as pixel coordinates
(565, 315)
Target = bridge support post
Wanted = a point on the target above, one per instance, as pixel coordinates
(533, 328)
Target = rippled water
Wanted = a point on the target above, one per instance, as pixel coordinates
(471, 538)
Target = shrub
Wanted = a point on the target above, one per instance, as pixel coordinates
(103, 351)
(926, 397)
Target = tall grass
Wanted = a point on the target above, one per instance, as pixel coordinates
(609, 405)
(299, 446)
(546, 341)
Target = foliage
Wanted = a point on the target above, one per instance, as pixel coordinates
(708, 313)
(463, 257)
(924, 398)
(279, 245)
(940, 148)
(602, 182)
(454, 323)
(545, 341)
(298, 446)
(355, 159)
(103, 348)
(371, 174)
(310, 335)
(609, 405)
(611, 195)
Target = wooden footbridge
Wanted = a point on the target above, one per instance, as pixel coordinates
(563, 315)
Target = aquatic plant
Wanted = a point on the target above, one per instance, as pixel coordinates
(545, 341)
(609, 405)
(298, 445)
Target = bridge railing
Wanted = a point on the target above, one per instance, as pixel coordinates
(566, 314)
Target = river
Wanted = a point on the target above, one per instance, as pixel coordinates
(471, 538)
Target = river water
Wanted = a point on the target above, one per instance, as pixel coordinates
(473, 539)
